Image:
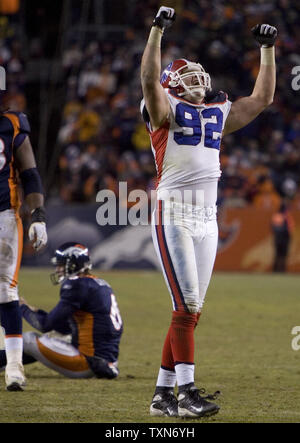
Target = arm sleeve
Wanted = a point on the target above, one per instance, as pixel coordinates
(34, 318)
(56, 320)
(31, 181)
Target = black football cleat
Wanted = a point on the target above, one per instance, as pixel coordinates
(192, 405)
(164, 403)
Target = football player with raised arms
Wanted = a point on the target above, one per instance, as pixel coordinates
(87, 311)
(186, 121)
(17, 166)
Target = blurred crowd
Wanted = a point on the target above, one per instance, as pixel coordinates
(11, 58)
(103, 138)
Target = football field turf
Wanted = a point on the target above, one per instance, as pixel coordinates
(243, 349)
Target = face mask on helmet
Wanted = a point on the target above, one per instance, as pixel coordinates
(70, 260)
(186, 78)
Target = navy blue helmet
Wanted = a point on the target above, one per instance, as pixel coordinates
(70, 259)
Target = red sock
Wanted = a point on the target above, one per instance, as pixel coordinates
(167, 361)
(182, 336)
(197, 319)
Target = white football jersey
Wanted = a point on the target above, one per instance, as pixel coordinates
(186, 148)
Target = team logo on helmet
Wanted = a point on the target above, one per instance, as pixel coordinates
(166, 73)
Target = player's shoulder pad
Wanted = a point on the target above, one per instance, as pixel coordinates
(215, 97)
(144, 111)
(102, 282)
(24, 125)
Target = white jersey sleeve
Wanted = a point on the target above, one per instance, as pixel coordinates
(186, 148)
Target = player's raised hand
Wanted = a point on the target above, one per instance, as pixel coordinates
(38, 235)
(265, 35)
(165, 17)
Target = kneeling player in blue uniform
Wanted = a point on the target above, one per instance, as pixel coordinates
(87, 310)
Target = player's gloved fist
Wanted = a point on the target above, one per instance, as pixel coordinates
(165, 17)
(265, 35)
(38, 234)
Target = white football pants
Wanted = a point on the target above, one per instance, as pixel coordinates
(185, 239)
(57, 354)
(11, 246)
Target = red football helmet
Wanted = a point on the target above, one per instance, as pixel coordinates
(186, 77)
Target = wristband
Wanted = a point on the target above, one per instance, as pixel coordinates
(38, 215)
(155, 36)
(267, 56)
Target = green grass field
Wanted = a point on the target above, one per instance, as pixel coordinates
(243, 348)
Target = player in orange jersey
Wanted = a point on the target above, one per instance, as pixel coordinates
(17, 166)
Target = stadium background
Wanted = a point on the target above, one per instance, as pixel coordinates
(73, 67)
